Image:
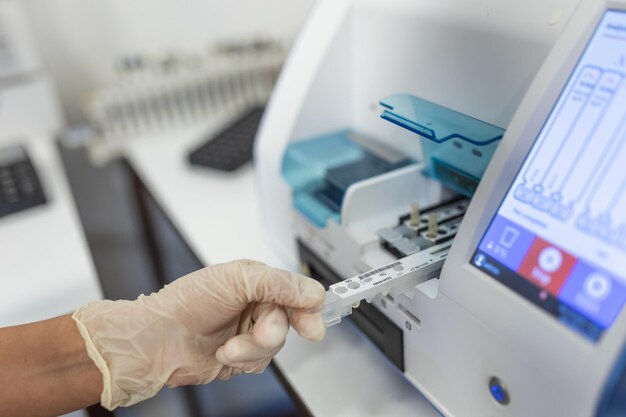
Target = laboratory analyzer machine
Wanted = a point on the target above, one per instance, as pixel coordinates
(457, 173)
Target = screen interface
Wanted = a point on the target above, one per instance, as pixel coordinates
(559, 236)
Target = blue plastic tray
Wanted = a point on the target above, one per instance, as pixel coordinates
(458, 147)
(320, 170)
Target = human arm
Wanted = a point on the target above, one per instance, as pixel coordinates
(45, 369)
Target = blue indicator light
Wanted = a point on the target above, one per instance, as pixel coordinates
(498, 393)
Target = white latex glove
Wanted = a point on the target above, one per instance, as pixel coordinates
(213, 323)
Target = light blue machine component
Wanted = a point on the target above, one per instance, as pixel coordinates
(459, 147)
(321, 169)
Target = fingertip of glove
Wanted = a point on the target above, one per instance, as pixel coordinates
(310, 326)
(316, 335)
(231, 352)
(220, 355)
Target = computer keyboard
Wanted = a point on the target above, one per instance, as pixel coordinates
(232, 147)
(20, 188)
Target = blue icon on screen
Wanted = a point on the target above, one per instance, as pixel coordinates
(480, 259)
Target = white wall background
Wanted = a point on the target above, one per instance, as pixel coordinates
(81, 40)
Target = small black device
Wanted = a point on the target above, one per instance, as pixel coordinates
(20, 188)
(232, 147)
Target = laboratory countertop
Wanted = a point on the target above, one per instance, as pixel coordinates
(46, 268)
(45, 264)
(218, 216)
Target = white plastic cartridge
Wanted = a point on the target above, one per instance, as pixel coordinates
(395, 278)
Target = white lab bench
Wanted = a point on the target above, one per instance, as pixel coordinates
(45, 265)
(218, 216)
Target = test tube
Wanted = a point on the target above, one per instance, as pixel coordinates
(433, 225)
(415, 215)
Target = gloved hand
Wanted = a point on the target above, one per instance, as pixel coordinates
(213, 323)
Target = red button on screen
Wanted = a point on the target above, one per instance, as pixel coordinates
(546, 265)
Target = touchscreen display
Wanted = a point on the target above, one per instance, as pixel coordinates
(559, 236)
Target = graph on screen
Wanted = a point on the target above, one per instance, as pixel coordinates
(573, 179)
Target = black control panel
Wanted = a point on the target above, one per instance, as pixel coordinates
(232, 147)
(20, 188)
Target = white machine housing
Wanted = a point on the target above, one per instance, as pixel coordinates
(478, 58)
